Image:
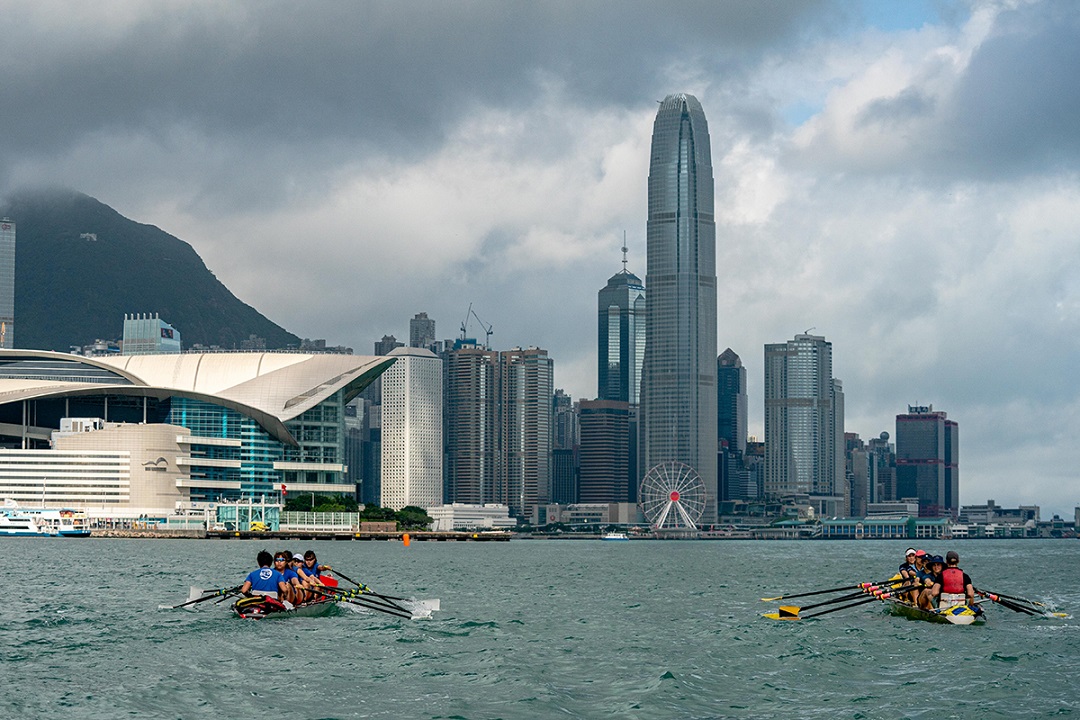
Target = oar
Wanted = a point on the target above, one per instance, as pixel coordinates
(347, 594)
(1015, 607)
(211, 596)
(1035, 604)
(877, 596)
(369, 605)
(365, 589)
(795, 610)
(822, 592)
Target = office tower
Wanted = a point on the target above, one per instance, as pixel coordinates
(527, 384)
(471, 427)
(804, 422)
(146, 334)
(412, 438)
(927, 461)
(678, 391)
(731, 401)
(621, 337)
(606, 459)
(499, 426)
(564, 453)
(883, 458)
(386, 345)
(422, 332)
(7, 284)
(859, 475)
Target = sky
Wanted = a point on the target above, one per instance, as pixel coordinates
(901, 178)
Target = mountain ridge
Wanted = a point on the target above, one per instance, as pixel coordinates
(80, 266)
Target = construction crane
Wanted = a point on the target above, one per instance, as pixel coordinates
(487, 328)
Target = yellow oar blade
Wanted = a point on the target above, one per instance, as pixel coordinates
(774, 599)
(778, 616)
(790, 610)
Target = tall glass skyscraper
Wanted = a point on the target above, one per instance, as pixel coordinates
(7, 284)
(621, 337)
(679, 374)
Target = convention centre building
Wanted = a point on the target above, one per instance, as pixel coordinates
(147, 434)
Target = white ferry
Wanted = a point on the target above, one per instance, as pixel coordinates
(615, 536)
(37, 522)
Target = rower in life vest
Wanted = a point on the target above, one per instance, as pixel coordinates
(954, 587)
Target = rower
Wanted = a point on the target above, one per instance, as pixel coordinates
(954, 587)
(311, 569)
(283, 564)
(936, 564)
(264, 581)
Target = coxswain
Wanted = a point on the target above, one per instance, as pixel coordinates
(264, 581)
(954, 587)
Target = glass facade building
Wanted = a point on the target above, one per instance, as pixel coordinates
(621, 338)
(927, 461)
(678, 391)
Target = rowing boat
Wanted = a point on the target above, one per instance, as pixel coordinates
(258, 607)
(955, 615)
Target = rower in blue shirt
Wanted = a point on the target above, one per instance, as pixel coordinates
(266, 580)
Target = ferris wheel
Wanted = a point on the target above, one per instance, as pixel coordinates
(672, 496)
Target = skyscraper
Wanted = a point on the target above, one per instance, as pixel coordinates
(527, 384)
(606, 457)
(621, 337)
(7, 284)
(927, 460)
(422, 332)
(731, 401)
(412, 441)
(804, 421)
(499, 427)
(679, 372)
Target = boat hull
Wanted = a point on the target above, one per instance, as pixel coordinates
(259, 608)
(956, 615)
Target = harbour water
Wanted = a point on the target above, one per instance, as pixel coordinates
(530, 629)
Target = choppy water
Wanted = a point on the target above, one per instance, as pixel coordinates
(529, 629)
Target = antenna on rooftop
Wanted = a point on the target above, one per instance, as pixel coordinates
(624, 251)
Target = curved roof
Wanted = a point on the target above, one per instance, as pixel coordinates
(271, 388)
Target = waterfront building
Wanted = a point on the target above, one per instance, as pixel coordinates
(253, 424)
(463, 516)
(927, 460)
(584, 515)
(412, 425)
(7, 284)
(422, 332)
(804, 423)
(678, 391)
(607, 469)
(621, 337)
(147, 334)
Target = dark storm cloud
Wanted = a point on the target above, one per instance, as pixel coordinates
(343, 80)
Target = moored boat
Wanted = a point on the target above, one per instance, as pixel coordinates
(954, 615)
(615, 536)
(47, 522)
(16, 523)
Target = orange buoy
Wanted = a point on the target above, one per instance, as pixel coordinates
(405, 539)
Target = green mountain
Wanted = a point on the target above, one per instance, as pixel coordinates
(80, 266)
